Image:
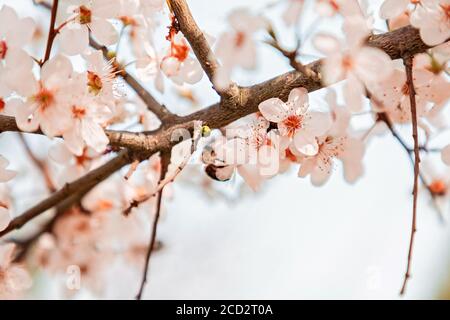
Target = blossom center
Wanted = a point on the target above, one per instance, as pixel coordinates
(95, 83)
(3, 49)
(239, 39)
(83, 158)
(128, 21)
(178, 47)
(446, 9)
(78, 112)
(438, 187)
(2, 105)
(347, 62)
(293, 123)
(334, 5)
(44, 98)
(84, 15)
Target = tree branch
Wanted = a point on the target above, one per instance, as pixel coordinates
(165, 160)
(408, 62)
(83, 184)
(51, 32)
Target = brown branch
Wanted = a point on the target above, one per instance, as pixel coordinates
(51, 32)
(165, 160)
(83, 184)
(195, 37)
(408, 62)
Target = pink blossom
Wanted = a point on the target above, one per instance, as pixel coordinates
(330, 8)
(73, 166)
(432, 17)
(14, 278)
(15, 33)
(237, 46)
(46, 99)
(337, 143)
(295, 121)
(88, 16)
(360, 65)
(178, 64)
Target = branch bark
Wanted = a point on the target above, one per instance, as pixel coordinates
(408, 62)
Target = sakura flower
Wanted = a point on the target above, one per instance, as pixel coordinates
(14, 279)
(100, 76)
(247, 148)
(437, 177)
(178, 64)
(393, 8)
(5, 174)
(295, 121)
(293, 12)
(237, 47)
(86, 129)
(446, 155)
(360, 65)
(73, 166)
(88, 16)
(337, 143)
(328, 8)
(15, 33)
(432, 18)
(46, 99)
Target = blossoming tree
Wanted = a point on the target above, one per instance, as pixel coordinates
(88, 83)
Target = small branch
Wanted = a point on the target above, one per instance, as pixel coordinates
(412, 97)
(51, 32)
(165, 159)
(83, 184)
(290, 55)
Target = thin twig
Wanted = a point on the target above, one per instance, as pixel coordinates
(51, 32)
(165, 159)
(83, 184)
(412, 96)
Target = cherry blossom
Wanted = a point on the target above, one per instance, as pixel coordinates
(337, 143)
(73, 166)
(14, 279)
(360, 65)
(432, 17)
(15, 33)
(88, 16)
(330, 8)
(237, 46)
(46, 99)
(295, 121)
(178, 64)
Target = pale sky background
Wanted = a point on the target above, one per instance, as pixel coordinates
(292, 240)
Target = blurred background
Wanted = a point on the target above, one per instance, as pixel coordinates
(290, 240)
